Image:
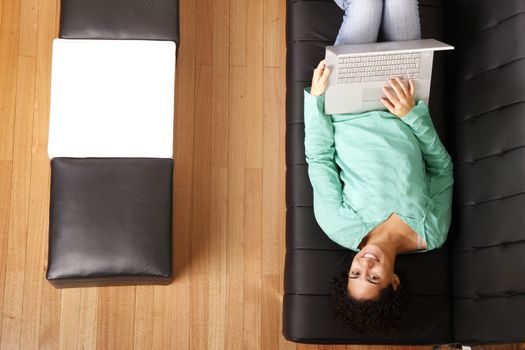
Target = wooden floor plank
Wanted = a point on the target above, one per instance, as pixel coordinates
(238, 34)
(201, 169)
(220, 83)
(180, 288)
(163, 329)
(185, 86)
(9, 35)
(273, 171)
(5, 209)
(271, 313)
(236, 206)
(308, 347)
(49, 332)
(204, 31)
(254, 93)
(69, 319)
(107, 318)
(236, 158)
(88, 318)
(217, 272)
(201, 207)
(143, 317)
(273, 30)
(38, 43)
(125, 330)
(179, 316)
(276, 131)
(199, 311)
(47, 31)
(27, 44)
(172, 305)
(182, 201)
(252, 259)
(35, 252)
(50, 298)
(18, 217)
(218, 314)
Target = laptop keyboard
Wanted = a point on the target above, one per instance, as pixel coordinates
(377, 67)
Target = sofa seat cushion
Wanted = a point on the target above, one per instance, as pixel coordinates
(120, 19)
(112, 98)
(110, 221)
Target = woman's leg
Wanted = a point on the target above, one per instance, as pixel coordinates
(361, 21)
(401, 20)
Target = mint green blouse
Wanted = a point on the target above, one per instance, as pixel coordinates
(365, 166)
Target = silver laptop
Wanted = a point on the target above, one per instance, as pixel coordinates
(359, 71)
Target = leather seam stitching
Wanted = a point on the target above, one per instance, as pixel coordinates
(491, 200)
(509, 150)
(493, 69)
(502, 244)
(475, 116)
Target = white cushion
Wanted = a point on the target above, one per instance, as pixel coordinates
(112, 98)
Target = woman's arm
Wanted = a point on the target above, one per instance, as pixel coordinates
(438, 164)
(439, 170)
(338, 220)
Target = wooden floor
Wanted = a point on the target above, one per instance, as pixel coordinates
(229, 192)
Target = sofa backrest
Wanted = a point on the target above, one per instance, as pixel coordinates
(486, 90)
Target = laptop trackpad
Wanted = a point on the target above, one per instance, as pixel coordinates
(372, 94)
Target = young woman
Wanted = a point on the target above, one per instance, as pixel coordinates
(382, 180)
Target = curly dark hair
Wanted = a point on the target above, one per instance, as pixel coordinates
(373, 317)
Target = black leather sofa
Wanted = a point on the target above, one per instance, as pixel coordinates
(471, 290)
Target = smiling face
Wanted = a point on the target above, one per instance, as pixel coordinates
(371, 271)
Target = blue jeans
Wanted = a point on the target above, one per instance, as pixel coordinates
(399, 20)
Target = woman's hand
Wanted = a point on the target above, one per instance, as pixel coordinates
(320, 79)
(400, 97)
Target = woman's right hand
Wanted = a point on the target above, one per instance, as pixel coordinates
(400, 97)
(320, 79)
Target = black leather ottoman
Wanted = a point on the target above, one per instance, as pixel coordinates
(120, 19)
(110, 221)
(110, 218)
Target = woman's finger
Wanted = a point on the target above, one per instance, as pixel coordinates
(402, 85)
(320, 67)
(386, 102)
(324, 76)
(391, 96)
(318, 71)
(412, 88)
(399, 92)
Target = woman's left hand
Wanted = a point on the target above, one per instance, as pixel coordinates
(320, 79)
(400, 97)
